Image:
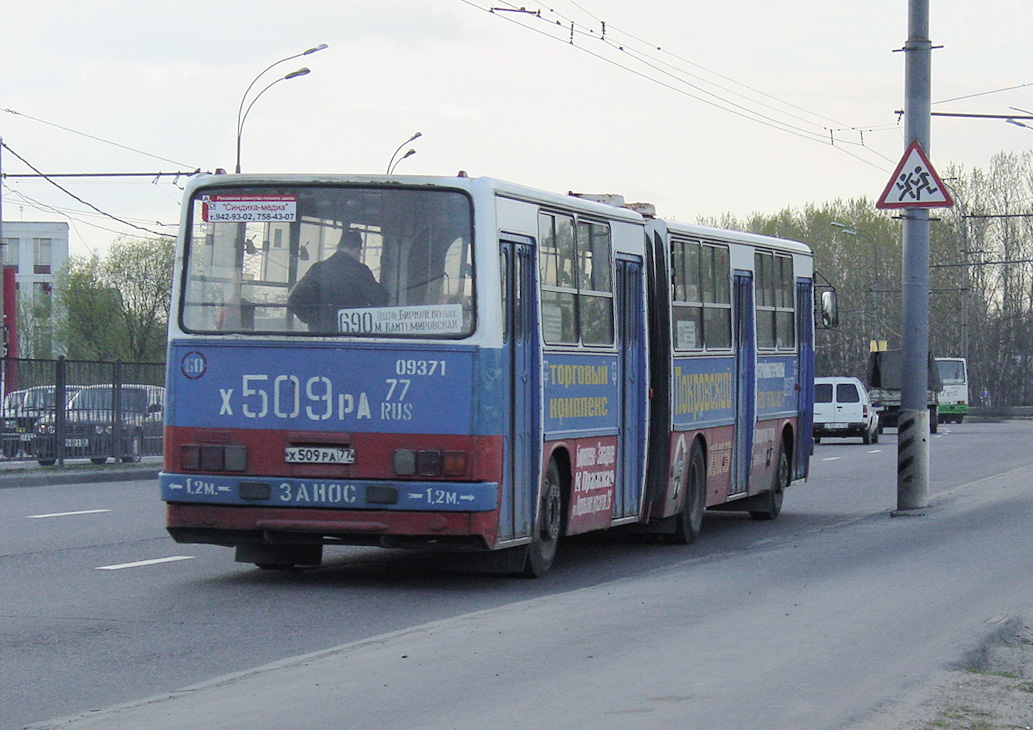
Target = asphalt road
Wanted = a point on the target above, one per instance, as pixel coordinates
(811, 621)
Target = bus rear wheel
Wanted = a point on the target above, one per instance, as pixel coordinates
(772, 499)
(689, 521)
(542, 550)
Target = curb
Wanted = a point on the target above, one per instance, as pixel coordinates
(77, 476)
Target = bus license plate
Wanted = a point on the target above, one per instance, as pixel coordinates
(320, 455)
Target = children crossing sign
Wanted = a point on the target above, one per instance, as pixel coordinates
(915, 184)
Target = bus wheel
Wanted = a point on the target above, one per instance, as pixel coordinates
(542, 550)
(688, 522)
(773, 497)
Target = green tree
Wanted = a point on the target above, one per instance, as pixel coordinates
(980, 279)
(117, 307)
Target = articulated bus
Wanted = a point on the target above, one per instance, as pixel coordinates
(523, 366)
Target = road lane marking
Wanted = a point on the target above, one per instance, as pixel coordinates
(142, 563)
(832, 458)
(68, 514)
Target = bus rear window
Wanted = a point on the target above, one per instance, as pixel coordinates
(329, 260)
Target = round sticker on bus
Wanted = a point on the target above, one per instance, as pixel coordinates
(194, 365)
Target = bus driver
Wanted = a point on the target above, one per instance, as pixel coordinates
(339, 282)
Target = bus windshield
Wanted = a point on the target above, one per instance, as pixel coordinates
(329, 260)
(952, 372)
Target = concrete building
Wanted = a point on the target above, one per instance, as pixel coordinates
(37, 251)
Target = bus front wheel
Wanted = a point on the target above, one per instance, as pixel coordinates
(546, 536)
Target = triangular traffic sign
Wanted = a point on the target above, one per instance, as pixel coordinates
(915, 184)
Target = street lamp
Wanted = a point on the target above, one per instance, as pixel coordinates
(242, 113)
(393, 164)
(853, 231)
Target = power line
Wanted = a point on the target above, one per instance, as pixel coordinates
(76, 197)
(98, 139)
(568, 30)
(983, 93)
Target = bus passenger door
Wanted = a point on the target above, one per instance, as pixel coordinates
(631, 344)
(522, 428)
(805, 376)
(745, 383)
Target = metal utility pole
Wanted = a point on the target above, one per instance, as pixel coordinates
(913, 426)
(914, 188)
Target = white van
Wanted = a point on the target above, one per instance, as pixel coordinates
(842, 408)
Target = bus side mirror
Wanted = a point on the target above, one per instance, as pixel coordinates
(829, 310)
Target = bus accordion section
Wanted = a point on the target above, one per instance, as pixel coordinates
(471, 366)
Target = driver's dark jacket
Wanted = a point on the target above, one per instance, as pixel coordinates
(339, 282)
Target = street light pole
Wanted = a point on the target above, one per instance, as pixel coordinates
(876, 301)
(391, 165)
(242, 114)
(240, 126)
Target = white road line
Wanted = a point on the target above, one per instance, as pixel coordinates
(832, 458)
(68, 514)
(142, 563)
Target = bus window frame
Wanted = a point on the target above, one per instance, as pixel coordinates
(191, 245)
(577, 292)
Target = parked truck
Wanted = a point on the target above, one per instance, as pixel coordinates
(883, 381)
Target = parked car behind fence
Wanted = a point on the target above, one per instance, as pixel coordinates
(102, 422)
(113, 410)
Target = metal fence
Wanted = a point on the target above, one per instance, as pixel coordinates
(61, 409)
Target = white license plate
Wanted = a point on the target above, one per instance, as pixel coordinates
(319, 455)
(77, 443)
(835, 425)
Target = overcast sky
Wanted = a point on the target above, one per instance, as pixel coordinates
(700, 107)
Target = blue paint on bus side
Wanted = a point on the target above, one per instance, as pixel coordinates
(776, 387)
(582, 397)
(702, 392)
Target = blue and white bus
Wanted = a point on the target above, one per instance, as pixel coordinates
(535, 366)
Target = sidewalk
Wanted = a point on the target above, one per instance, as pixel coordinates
(14, 474)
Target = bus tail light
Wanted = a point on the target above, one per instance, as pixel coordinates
(213, 457)
(429, 463)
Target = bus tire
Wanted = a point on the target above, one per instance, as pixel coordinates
(546, 535)
(772, 499)
(689, 521)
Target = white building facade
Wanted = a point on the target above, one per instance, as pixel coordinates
(37, 251)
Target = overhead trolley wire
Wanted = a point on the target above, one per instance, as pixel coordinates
(72, 195)
(97, 139)
(564, 29)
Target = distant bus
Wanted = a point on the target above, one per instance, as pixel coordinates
(540, 366)
(954, 396)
